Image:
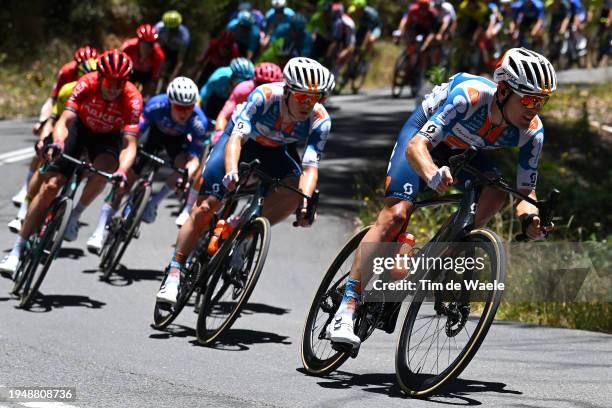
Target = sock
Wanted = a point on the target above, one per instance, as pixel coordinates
(78, 210)
(105, 213)
(23, 208)
(160, 195)
(352, 295)
(18, 247)
(177, 262)
(191, 198)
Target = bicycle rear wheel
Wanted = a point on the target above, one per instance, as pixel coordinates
(442, 331)
(45, 249)
(361, 71)
(318, 357)
(233, 282)
(123, 234)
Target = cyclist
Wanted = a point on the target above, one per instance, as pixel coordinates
(273, 116)
(46, 137)
(147, 58)
(560, 15)
(219, 53)
(343, 38)
(473, 20)
(256, 14)
(529, 23)
(174, 38)
(67, 73)
(603, 32)
(468, 110)
(446, 25)
(278, 14)
(367, 22)
(171, 121)
(101, 115)
(320, 25)
(247, 34)
(419, 20)
(265, 72)
(289, 40)
(218, 87)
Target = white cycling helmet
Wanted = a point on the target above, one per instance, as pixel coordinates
(279, 3)
(303, 74)
(182, 91)
(526, 72)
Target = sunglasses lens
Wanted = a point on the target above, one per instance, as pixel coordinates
(304, 97)
(182, 108)
(534, 102)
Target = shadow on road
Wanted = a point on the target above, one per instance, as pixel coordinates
(232, 340)
(71, 253)
(44, 303)
(123, 276)
(458, 392)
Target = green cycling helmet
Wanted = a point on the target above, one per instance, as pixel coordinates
(172, 19)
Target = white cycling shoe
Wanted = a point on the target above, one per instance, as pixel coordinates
(96, 242)
(9, 264)
(15, 225)
(168, 292)
(20, 197)
(72, 230)
(180, 220)
(342, 330)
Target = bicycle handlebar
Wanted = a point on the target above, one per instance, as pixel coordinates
(245, 169)
(545, 207)
(161, 162)
(89, 167)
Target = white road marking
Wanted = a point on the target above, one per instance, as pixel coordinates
(53, 404)
(16, 155)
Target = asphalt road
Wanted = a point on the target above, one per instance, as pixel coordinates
(95, 336)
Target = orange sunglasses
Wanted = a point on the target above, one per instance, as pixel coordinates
(303, 97)
(532, 101)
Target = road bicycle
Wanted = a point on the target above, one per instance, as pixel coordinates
(441, 330)
(125, 224)
(44, 246)
(226, 276)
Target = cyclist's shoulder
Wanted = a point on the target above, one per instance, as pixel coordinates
(533, 133)
(132, 95)
(66, 90)
(158, 102)
(68, 67)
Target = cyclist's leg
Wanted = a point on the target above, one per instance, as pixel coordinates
(401, 187)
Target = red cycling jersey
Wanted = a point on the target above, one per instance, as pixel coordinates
(214, 56)
(151, 64)
(67, 73)
(101, 116)
(423, 20)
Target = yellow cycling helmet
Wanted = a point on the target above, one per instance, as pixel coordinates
(172, 19)
(87, 66)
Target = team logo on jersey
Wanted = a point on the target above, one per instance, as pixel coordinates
(474, 95)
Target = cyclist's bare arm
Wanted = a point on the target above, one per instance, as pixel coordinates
(308, 180)
(537, 28)
(417, 154)
(232, 152)
(60, 131)
(445, 25)
(564, 25)
(129, 152)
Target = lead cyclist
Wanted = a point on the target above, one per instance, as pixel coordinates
(467, 111)
(274, 116)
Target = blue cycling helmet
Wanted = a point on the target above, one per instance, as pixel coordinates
(242, 69)
(245, 18)
(298, 22)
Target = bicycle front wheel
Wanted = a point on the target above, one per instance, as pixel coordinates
(318, 356)
(233, 282)
(443, 330)
(45, 250)
(122, 235)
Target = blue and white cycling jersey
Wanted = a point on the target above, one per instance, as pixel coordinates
(259, 119)
(459, 115)
(273, 20)
(530, 10)
(157, 113)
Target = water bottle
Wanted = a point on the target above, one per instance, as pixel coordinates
(406, 242)
(213, 244)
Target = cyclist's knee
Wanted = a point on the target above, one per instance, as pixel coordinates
(51, 186)
(393, 218)
(203, 210)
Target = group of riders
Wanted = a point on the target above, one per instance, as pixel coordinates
(263, 112)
